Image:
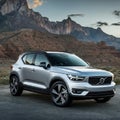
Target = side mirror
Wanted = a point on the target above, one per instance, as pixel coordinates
(88, 63)
(44, 65)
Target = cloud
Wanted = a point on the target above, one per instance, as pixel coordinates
(116, 13)
(116, 24)
(75, 15)
(100, 24)
(34, 3)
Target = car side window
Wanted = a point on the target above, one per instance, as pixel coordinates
(40, 58)
(28, 59)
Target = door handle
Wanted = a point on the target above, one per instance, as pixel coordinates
(33, 70)
(19, 67)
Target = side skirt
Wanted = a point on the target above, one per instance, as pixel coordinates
(34, 89)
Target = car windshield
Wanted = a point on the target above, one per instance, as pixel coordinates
(65, 59)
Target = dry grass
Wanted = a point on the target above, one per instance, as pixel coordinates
(5, 70)
(114, 70)
(4, 76)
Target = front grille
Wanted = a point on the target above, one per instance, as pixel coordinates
(104, 93)
(100, 80)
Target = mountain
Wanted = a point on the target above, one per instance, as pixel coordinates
(15, 15)
(8, 6)
(12, 44)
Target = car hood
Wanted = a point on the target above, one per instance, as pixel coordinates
(81, 71)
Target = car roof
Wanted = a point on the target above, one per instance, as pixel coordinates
(44, 52)
(55, 52)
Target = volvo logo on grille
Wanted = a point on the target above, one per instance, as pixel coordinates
(101, 81)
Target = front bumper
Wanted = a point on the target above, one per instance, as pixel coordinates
(86, 90)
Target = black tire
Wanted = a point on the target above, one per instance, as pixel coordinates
(60, 95)
(16, 88)
(102, 100)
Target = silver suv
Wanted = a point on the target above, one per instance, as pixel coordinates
(64, 76)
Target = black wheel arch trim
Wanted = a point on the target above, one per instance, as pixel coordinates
(55, 79)
(13, 73)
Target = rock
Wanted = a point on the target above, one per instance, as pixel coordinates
(15, 15)
(8, 6)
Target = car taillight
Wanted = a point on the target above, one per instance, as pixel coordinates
(11, 66)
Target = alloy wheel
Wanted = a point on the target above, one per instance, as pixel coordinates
(60, 94)
(13, 85)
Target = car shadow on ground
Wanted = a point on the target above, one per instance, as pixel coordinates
(46, 99)
(36, 97)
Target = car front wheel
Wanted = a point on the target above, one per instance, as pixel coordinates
(60, 95)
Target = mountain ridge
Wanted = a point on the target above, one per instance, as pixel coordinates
(12, 44)
(23, 17)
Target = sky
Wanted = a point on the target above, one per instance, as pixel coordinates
(90, 13)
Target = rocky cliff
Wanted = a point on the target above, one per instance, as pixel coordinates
(15, 15)
(8, 6)
(12, 44)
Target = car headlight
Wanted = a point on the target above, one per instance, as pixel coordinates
(75, 77)
(112, 77)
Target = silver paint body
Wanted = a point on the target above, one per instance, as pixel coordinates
(39, 77)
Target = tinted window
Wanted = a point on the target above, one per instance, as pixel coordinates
(28, 59)
(64, 59)
(24, 58)
(40, 58)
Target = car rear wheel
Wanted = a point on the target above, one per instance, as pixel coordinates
(102, 100)
(60, 95)
(16, 88)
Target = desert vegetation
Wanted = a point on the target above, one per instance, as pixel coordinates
(14, 43)
(5, 66)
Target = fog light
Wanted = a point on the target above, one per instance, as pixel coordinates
(114, 90)
(77, 91)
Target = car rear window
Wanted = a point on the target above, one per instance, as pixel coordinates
(28, 59)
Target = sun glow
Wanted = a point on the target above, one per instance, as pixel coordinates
(34, 3)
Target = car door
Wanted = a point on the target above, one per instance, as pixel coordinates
(41, 75)
(28, 68)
